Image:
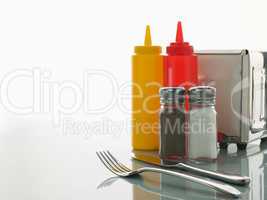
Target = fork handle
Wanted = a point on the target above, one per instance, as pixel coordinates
(234, 179)
(224, 188)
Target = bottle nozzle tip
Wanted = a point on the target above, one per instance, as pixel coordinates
(179, 33)
(148, 41)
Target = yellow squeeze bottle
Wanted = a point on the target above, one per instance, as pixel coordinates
(147, 78)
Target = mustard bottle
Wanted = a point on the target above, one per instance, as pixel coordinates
(147, 78)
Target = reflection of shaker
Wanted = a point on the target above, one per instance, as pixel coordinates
(201, 192)
(202, 123)
(173, 186)
(172, 120)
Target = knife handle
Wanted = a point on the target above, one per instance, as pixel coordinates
(229, 178)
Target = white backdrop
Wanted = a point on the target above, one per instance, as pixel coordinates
(62, 39)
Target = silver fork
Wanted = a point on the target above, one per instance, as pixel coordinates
(117, 168)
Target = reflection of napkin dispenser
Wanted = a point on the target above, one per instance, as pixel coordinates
(265, 66)
(239, 78)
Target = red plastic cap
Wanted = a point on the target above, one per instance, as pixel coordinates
(179, 33)
(180, 47)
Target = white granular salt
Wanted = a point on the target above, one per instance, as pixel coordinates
(202, 135)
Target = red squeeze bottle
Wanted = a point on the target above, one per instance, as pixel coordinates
(180, 64)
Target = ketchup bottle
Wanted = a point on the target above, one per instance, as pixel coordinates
(180, 64)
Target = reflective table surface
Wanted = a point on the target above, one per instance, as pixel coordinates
(40, 161)
(159, 186)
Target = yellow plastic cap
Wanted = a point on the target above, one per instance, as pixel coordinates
(147, 48)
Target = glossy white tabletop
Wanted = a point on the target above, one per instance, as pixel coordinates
(39, 161)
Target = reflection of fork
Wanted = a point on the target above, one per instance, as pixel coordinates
(139, 184)
(113, 165)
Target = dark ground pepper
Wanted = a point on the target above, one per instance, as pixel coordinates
(172, 120)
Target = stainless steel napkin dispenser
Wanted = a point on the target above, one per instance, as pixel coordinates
(239, 78)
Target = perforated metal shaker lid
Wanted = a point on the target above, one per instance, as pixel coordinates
(172, 95)
(205, 95)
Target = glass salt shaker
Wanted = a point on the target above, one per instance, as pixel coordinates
(172, 121)
(202, 136)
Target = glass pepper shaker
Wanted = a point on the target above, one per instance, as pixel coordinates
(172, 122)
(202, 138)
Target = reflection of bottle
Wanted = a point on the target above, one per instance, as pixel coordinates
(142, 192)
(147, 77)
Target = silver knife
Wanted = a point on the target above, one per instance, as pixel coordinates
(155, 160)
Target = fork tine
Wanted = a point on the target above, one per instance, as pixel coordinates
(104, 163)
(112, 163)
(114, 168)
(107, 166)
(115, 160)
